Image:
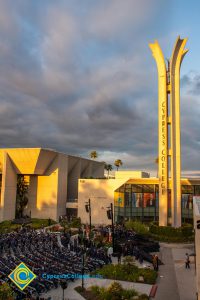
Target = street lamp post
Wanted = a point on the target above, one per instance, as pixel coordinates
(110, 216)
(63, 285)
(88, 210)
(83, 266)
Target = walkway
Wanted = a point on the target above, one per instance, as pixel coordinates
(175, 282)
(167, 285)
(71, 294)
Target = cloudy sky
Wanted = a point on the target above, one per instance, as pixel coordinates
(77, 76)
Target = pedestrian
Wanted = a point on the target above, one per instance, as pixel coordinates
(187, 261)
(157, 262)
(110, 258)
(140, 259)
(119, 257)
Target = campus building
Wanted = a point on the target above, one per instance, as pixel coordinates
(135, 195)
(52, 178)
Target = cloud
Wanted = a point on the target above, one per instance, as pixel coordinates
(76, 76)
(110, 19)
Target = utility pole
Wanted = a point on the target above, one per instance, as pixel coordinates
(88, 210)
(83, 266)
(110, 216)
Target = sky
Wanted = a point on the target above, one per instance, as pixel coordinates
(77, 76)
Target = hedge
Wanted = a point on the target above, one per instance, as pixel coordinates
(9, 226)
(181, 232)
(137, 226)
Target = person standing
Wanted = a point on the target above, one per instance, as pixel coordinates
(119, 257)
(155, 262)
(187, 261)
(141, 259)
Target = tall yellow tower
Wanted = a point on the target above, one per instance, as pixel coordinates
(169, 151)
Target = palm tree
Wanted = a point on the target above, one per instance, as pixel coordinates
(118, 163)
(156, 162)
(93, 154)
(108, 167)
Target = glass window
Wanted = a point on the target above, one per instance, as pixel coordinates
(187, 201)
(148, 188)
(149, 200)
(136, 188)
(184, 200)
(127, 186)
(197, 190)
(127, 198)
(187, 189)
(137, 199)
(157, 188)
(120, 189)
(133, 199)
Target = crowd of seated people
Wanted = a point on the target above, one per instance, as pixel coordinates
(45, 253)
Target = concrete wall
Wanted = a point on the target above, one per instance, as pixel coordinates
(131, 174)
(47, 193)
(52, 177)
(8, 190)
(74, 173)
(62, 185)
(101, 194)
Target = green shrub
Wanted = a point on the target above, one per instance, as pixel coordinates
(115, 288)
(79, 289)
(149, 275)
(8, 226)
(143, 297)
(75, 223)
(114, 292)
(168, 239)
(6, 292)
(187, 230)
(137, 226)
(171, 231)
(171, 234)
(127, 273)
(128, 294)
(165, 230)
(128, 260)
(40, 223)
(95, 289)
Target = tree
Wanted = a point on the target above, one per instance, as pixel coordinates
(93, 154)
(108, 167)
(118, 163)
(21, 198)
